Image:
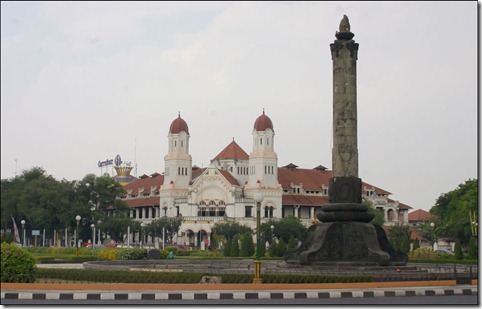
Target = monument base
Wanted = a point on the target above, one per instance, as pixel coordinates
(345, 237)
(335, 243)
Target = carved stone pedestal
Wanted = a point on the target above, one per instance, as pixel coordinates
(351, 243)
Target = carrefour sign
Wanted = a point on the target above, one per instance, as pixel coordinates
(118, 160)
(105, 163)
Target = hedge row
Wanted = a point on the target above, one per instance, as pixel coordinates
(126, 276)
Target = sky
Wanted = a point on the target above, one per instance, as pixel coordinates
(84, 81)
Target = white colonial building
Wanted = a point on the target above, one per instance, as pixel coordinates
(224, 191)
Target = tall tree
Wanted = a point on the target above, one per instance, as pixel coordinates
(229, 230)
(285, 228)
(399, 234)
(164, 226)
(378, 215)
(452, 211)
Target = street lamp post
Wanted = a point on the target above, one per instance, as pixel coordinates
(272, 233)
(473, 223)
(433, 234)
(258, 198)
(77, 218)
(141, 240)
(23, 232)
(98, 232)
(93, 234)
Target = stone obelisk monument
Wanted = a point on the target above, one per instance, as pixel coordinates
(344, 236)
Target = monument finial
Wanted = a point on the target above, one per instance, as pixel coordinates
(344, 33)
(345, 24)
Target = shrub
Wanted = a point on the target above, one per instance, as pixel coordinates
(459, 255)
(17, 264)
(174, 249)
(247, 245)
(473, 252)
(416, 244)
(235, 246)
(130, 276)
(423, 254)
(281, 248)
(273, 249)
(227, 248)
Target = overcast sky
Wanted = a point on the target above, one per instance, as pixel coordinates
(84, 81)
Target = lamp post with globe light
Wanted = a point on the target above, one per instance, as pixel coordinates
(432, 225)
(272, 233)
(258, 198)
(23, 232)
(93, 234)
(77, 218)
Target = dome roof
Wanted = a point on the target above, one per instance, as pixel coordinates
(178, 125)
(262, 123)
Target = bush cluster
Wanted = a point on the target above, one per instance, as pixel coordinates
(17, 265)
(422, 254)
(122, 254)
(126, 276)
(63, 251)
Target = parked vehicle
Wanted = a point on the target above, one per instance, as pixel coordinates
(444, 251)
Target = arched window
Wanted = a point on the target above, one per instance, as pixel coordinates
(212, 211)
(390, 215)
(221, 211)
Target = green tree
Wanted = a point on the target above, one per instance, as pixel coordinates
(273, 249)
(397, 235)
(229, 229)
(378, 215)
(285, 228)
(459, 255)
(281, 248)
(235, 246)
(164, 226)
(405, 245)
(416, 244)
(116, 226)
(227, 248)
(291, 244)
(262, 250)
(452, 211)
(473, 250)
(247, 245)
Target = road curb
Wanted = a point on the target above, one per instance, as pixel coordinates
(213, 295)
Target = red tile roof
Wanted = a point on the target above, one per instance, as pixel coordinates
(229, 177)
(419, 215)
(400, 205)
(304, 200)
(232, 151)
(310, 178)
(377, 190)
(145, 182)
(146, 201)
